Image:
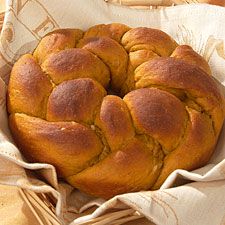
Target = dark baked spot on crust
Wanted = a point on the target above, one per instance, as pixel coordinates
(75, 100)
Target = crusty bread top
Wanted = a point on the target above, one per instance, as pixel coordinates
(168, 113)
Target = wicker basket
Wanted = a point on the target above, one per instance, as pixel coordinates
(43, 204)
(152, 4)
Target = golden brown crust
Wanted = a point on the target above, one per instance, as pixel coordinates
(113, 174)
(177, 75)
(194, 150)
(113, 30)
(112, 54)
(148, 39)
(57, 40)
(107, 145)
(69, 146)
(28, 88)
(158, 114)
(140, 56)
(144, 44)
(115, 122)
(187, 54)
(75, 100)
(75, 63)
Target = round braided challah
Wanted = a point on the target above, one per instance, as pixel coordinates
(168, 116)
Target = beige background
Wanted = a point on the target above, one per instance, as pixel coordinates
(2, 5)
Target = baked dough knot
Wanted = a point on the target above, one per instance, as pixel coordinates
(114, 109)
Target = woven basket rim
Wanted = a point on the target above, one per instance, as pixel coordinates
(150, 4)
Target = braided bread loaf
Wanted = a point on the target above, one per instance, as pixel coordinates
(168, 116)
